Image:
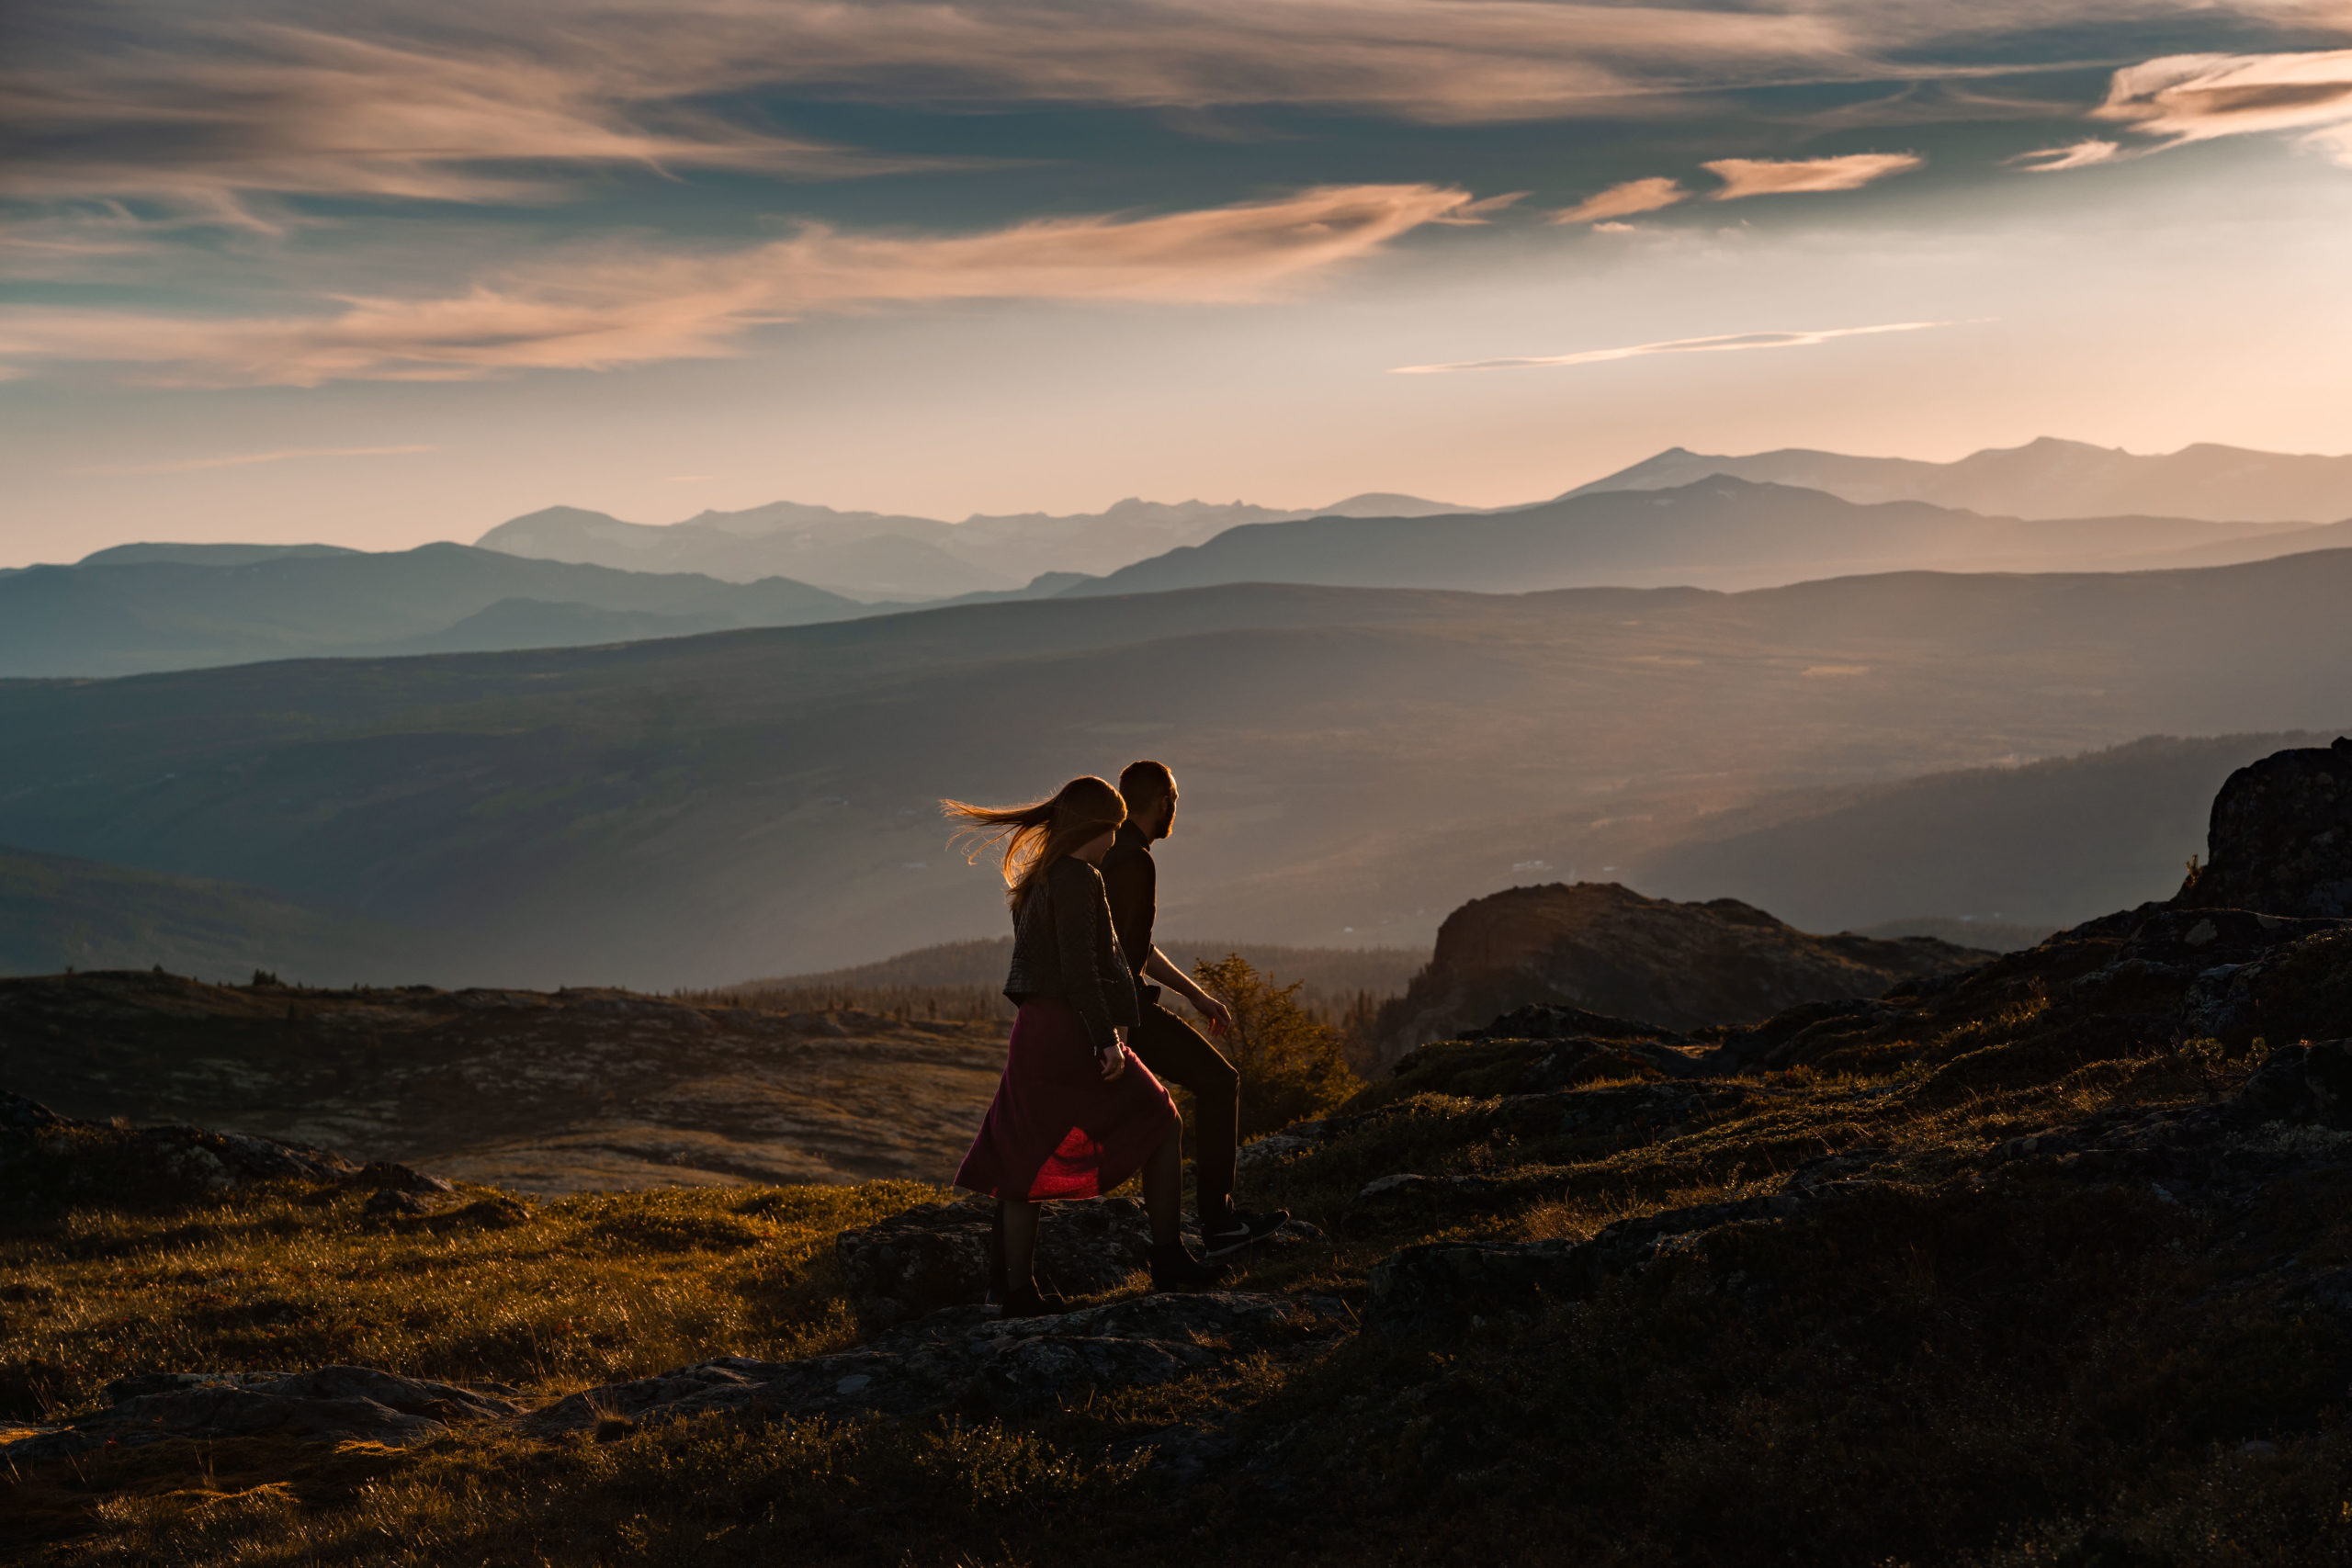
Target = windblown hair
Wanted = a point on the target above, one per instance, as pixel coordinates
(1037, 835)
(1145, 784)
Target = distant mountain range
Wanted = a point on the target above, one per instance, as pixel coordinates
(143, 607)
(2043, 479)
(156, 607)
(1356, 762)
(870, 555)
(1714, 532)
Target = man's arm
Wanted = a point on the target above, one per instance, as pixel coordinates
(1220, 1017)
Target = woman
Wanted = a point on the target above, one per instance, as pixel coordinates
(1074, 1115)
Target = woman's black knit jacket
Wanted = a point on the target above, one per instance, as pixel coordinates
(1063, 947)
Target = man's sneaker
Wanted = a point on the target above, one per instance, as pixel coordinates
(1175, 1271)
(1240, 1228)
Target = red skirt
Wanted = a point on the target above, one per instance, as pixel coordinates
(1055, 1129)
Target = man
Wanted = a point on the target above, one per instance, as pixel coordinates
(1173, 1049)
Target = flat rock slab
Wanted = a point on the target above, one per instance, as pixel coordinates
(937, 1255)
(330, 1404)
(968, 1358)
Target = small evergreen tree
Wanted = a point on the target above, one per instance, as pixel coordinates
(1291, 1066)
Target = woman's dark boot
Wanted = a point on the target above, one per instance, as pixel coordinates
(1175, 1271)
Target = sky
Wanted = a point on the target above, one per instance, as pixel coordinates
(381, 272)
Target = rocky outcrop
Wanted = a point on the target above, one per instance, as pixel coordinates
(50, 1162)
(1598, 948)
(2281, 839)
(970, 1361)
(47, 1160)
(330, 1405)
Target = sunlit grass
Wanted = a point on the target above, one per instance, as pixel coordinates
(549, 1297)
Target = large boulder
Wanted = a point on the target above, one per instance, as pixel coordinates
(1605, 949)
(2281, 839)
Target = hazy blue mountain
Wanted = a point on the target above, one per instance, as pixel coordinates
(536, 622)
(1356, 763)
(1718, 532)
(2045, 844)
(115, 618)
(2043, 479)
(878, 556)
(206, 555)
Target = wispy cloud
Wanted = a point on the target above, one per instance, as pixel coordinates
(1624, 201)
(1733, 343)
(2197, 98)
(597, 314)
(205, 117)
(248, 459)
(1744, 177)
(2073, 155)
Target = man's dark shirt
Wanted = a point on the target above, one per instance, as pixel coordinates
(1133, 884)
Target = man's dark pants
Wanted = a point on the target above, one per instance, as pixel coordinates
(1176, 1053)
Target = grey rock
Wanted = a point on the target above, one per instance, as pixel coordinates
(393, 1200)
(386, 1174)
(970, 1360)
(330, 1404)
(1407, 1198)
(1440, 1288)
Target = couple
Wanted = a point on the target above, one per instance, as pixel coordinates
(1081, 1107)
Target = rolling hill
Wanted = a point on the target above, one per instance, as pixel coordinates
(1714, 532)
(193, 606)
(1356, 763)
(58, 912)
(2043, 479)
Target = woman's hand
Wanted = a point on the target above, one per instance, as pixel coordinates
(1220, 1016)
(1115, 1060)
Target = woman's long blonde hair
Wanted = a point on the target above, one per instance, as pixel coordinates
(1037, 835)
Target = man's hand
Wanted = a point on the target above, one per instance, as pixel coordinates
(1220, 1016)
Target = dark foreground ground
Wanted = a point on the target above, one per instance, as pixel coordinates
(2048, 1265)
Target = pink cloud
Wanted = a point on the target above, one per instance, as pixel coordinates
(2197, 98)
(595, 315)
(1744, 177)
(1624, 201)
(2074, 155)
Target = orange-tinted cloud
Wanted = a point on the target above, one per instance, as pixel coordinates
(598, 314)
(2197, 98)
(1744, 177)
(1624, 201)
(2074, 155)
